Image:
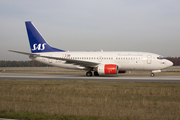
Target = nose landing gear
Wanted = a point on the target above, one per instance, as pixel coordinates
(152, 75)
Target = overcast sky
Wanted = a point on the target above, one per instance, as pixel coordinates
(92, 25)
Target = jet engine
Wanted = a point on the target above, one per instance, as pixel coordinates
(107, 69)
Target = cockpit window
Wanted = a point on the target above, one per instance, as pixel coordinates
(160, 57)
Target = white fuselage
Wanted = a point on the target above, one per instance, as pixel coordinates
(125, 60)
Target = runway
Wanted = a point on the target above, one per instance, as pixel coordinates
(120, 78)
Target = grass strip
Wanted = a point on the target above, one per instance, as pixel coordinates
(89, 100)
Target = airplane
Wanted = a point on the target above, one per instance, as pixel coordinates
(101, 63)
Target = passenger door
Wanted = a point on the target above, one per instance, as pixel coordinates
(149, 59)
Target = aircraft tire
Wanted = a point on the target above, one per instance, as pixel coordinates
(88, 73)
(96, 73)
(152, 75)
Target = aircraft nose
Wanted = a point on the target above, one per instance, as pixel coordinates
(169, 63)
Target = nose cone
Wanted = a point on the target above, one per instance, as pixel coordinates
(169, 63)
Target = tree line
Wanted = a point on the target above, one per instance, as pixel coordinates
(3, 63)
(32, 63)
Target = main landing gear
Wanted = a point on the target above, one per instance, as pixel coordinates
(89, 73)
(96, 73)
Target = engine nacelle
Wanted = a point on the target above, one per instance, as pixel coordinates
(107, 69)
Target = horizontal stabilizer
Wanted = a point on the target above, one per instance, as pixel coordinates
(22, 52)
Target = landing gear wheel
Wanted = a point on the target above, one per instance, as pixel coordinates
(88, 73)
(152, 75)
(96, 73)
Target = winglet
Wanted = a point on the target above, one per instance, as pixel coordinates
(37, 42)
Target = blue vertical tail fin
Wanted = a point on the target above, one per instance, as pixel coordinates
(37, 42)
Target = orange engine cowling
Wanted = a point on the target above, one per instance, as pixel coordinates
(107, 69)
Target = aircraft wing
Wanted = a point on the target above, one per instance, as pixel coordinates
(67, 61)
(75, 62)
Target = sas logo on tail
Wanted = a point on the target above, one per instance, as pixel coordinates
(39, 46)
